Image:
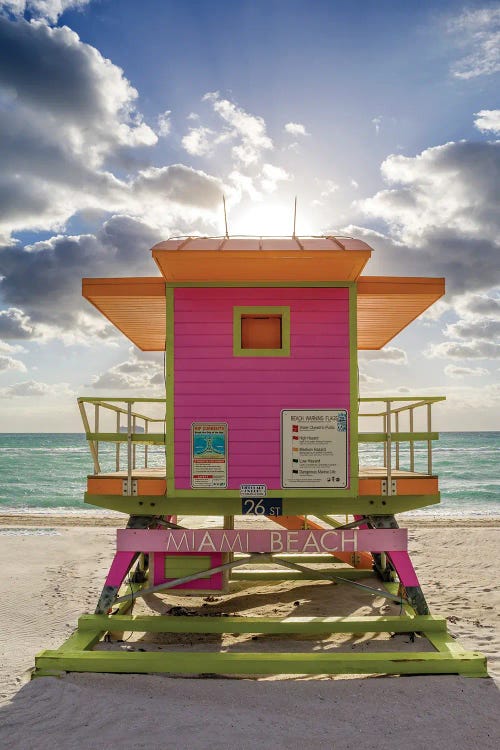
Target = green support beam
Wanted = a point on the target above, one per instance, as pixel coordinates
(397, 437)
(266, 625)
(292, 575)
(149, 438)
(231, 506)
(468, 663)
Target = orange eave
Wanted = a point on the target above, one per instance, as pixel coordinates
(386, 305)
(136, 306)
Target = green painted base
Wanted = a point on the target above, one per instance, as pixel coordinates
(292, 575)
(468, 663)
(231, 506)
(76, 654)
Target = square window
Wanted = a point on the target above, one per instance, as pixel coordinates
(261, 331)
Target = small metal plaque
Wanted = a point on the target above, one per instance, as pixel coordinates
(253, 490)
(264, 506)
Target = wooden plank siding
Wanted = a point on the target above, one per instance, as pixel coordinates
(210, 384)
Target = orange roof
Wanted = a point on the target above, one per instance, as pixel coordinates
(245, 259)
(386, 305)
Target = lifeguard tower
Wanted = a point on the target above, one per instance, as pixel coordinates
(262, 430)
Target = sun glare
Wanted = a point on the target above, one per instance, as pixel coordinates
(268, 219)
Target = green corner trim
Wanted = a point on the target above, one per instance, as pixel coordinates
(353, 378)
(169, 391)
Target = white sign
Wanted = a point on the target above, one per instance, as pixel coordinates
(253, 490)
(314, 448)
(209, 454)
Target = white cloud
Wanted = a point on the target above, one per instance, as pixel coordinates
(295, 128)
(249, 129)
(488, 121)
(9, 363)
(455, 371)
(14, 324)
(271, 176)
(328, 188)
(199, 141)
(477, 33)
(48, 10)
(392, 354)
(464, 401)
(435, 312)
(474, 305)
(442, 213)
(140, 371)
(377, 122)
(452, 186)
(68, 111)
(34, 388)
(475, 349)
(354, 184)
(365, 379)
(484, 329)
(42, 282)
(164, 123)
(177, 184)
(11, 348)
(476, 330)
(243, 185)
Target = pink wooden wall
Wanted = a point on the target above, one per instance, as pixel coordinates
(249, 392)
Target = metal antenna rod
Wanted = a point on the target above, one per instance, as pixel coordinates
(294, 217)
(225, 215)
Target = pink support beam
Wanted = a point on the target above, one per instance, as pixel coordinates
(404, 568)
(120, 566)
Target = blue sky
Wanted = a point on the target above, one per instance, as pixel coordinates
(122, 124)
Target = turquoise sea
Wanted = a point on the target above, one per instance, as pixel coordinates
(48, 471)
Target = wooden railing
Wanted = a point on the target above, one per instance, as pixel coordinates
(131, 427)
(134, 429)
(394, 407)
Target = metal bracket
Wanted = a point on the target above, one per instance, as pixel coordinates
(394, 487)
(134, 487)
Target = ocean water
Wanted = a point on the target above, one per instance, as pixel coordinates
(48, 471)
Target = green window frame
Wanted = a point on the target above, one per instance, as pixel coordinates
(282, 311)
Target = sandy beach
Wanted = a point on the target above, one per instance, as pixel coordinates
(53, 569)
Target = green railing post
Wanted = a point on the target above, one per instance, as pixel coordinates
(129, 448)
(134, 447)
(86, 425)
(118, 444)
(397, 444)
(389, 447)
(96, 428)
(429, 442)
(412, 443)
